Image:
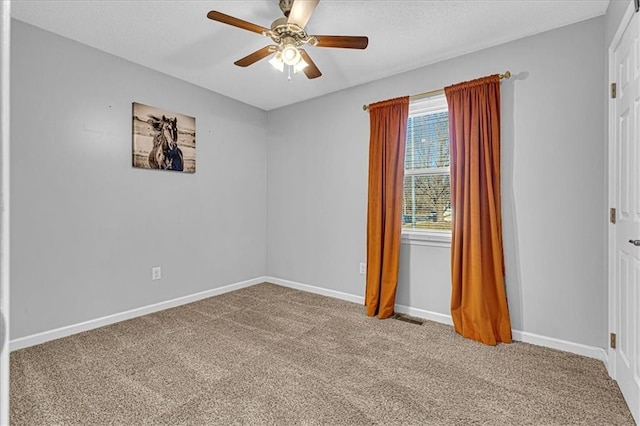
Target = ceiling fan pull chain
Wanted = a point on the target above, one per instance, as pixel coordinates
(289, 71)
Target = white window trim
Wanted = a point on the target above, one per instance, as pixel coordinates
(429, 171)
(428, 105)
(426, 238)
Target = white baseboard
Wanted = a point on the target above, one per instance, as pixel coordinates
(45, 336)
(317, 290)
(562, 345)
(605, 359)
(521, 336)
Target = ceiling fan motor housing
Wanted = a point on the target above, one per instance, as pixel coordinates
(281, 29)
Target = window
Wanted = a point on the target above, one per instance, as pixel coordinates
(427, 191)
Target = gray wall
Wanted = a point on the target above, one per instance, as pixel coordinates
(554, 206)
(614, 15)
(87, 227)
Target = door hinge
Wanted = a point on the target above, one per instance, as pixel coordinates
(613, 90)
(612, 215)
(613, 341)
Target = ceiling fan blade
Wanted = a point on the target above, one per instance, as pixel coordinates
(345, 42)
(256, 56)
(230, 20)
(301, 12)
(311, 70)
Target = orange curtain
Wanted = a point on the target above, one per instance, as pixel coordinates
(384, 225)
(478, 298)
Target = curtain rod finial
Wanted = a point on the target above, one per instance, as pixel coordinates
(365, 107)
(506, 75)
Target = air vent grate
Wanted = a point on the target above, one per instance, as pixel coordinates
(410, 320)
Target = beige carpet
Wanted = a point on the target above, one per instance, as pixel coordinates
(272, 355)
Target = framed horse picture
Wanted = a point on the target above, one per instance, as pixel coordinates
(163, 140)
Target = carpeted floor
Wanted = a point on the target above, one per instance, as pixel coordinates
(272, 355)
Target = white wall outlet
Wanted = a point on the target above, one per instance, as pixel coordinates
(156, 273)
(363, 269)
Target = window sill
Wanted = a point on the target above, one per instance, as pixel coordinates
(426, 238)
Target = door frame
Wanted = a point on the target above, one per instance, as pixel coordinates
(611, 231)
(5, 44)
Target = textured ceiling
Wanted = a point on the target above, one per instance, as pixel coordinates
(176, 38)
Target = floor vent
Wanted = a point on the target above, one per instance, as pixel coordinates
(407, 318)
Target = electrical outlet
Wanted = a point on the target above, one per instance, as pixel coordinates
(156, 273)
(363, 269)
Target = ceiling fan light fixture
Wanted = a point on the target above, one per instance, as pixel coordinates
(276, 62)
(300, 66)
(290, 54)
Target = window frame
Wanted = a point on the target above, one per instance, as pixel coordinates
(427, 237)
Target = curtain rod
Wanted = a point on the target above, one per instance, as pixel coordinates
(506, 75)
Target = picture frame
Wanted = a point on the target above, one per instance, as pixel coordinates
(163, 140)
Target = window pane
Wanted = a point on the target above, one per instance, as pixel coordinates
(427, 202)
(427, 141)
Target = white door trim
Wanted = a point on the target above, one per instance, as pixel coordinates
(613, 326)
(5, 17)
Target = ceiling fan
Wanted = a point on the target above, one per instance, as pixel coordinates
(289, 35)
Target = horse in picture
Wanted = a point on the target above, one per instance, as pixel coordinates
(165, 153)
